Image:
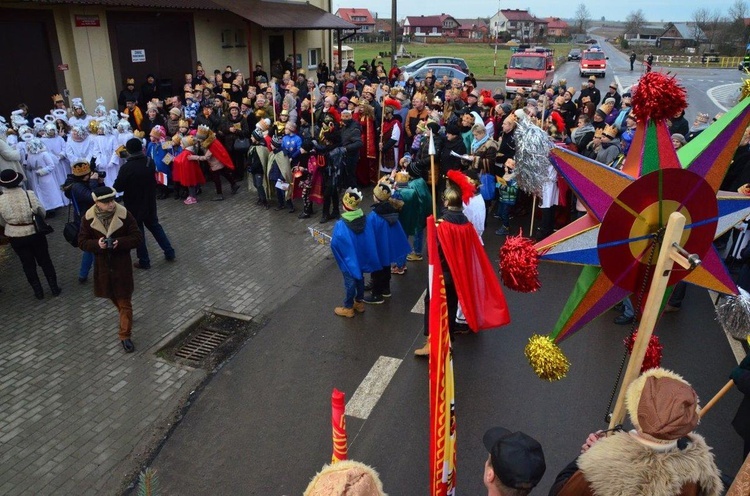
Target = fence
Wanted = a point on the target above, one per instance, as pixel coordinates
(698, 60)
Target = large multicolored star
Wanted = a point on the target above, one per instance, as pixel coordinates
(618, 241)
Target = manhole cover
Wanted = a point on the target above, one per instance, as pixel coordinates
(202, 344)
(209, 340)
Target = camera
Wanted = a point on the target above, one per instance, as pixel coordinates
(94, 169)
(109, 243)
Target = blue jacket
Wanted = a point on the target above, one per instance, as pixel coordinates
(390, 238)
(353, 245)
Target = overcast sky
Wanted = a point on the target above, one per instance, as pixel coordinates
(655, 10)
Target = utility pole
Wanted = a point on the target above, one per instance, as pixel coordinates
(394, 32)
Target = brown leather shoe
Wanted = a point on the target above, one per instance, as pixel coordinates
(424, 350)
(359, 306)
(344, 312)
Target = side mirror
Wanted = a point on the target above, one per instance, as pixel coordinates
(606, 58)
(505, 66)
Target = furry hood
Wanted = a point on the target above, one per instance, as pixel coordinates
(345, 478)
(620, 465)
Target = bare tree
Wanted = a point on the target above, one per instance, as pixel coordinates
(635, 21)
(737, 34)
(582, 18)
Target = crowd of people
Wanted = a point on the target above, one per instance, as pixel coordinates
(310, 139)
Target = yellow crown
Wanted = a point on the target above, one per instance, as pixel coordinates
(610, 131)
(352, 198)
(57, 98)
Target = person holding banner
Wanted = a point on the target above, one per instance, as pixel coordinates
(137, 182)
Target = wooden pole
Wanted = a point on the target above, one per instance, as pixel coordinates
(434, 179)
(729, 385)
(741, 484)
(382, 123)
(533, 213)
(662, 270)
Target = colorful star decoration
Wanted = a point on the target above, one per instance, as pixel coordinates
(618, 241)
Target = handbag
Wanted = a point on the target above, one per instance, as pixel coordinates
(241, 144)
(71, 229)
(40, 225)
(487, 186)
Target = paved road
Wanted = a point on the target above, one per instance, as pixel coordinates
(262, 426)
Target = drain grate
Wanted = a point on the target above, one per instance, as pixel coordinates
(202, 344)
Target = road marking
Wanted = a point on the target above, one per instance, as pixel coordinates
(372, 387)
(419, 306)
(726, 90)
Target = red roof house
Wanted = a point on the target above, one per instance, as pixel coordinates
(361, 17)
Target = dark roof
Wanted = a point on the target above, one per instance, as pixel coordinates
(159, 4)
(425, 21)
(285, 15)
(275, 14)
(518, 15)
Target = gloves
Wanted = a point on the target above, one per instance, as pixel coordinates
(42, 172)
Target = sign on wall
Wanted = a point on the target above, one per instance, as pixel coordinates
(138, 55)
(87, 21)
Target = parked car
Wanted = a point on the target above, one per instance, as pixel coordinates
(574, 54)
(419, 63)
(439, 71)
(590, 41)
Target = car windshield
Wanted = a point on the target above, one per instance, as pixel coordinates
(527, 63)
(594, 56)
(575, 51)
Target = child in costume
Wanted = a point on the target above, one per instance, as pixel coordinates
(160, 151)
(508, 193)
(187, 173)
(42, 163)
(353, 247)
(209, 149)
(390, 238)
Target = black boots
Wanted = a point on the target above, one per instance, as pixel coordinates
(38, 291)
(53, 286)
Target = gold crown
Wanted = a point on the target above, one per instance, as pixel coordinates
(402, 177)
(93, 126)
(57, 98)
(610, 131)
(383, 189)
(183, 123)
(202, 132)
(139, 134)
(129, 81)
(598, 133)
(188, 141)
(352, 198)
(80, 168)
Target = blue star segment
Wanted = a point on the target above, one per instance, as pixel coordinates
(619, 238)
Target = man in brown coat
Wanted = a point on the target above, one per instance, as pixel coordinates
(109, 231)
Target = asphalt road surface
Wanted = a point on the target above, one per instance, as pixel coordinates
(262, 425)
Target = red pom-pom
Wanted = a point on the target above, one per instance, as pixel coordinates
(519, 264)
(658, 96)
(653, 352)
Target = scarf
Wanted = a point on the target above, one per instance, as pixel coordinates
(104, 217)
(579, 132)
(477, 143)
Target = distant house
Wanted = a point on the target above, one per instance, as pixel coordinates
(646, 35)
(434, 25)
(682, 35)
(519, 24)
(474, 29)
(557, 28)
(361, 17)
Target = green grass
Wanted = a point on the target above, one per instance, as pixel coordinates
(479, 56)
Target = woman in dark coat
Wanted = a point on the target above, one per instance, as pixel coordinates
(109, 231)
(234, 126)
(16, 208)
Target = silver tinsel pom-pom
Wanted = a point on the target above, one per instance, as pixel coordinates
(532, 158)
(733, 313)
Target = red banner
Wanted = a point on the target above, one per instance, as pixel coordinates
(338, 422)
(442, 391)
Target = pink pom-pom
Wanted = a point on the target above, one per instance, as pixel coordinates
(519, 264)
(652, 359)
(658, 96)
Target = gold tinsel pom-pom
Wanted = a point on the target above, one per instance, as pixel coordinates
(546, 358)
(745, 89)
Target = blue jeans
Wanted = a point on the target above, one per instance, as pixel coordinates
(258, 183)
(418, 241)
(87, 260)
(627, 308)
(355, 290)
(159, 235)
(503, 211)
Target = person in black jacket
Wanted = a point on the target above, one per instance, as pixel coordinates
(234, 127)
(208, 118)
(149, 91)
(741, 423)
(78, 187)
(137, 181)
(452, 143)
(129, 94)
(351, 141)
(679, 125)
